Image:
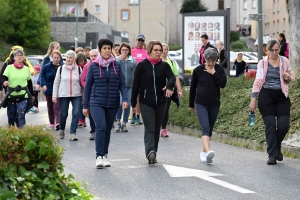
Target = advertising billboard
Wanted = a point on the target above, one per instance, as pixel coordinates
(194, 28)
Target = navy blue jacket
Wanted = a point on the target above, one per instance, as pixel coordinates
(104, 90)
(47, 77)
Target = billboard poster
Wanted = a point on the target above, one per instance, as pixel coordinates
(194, 27)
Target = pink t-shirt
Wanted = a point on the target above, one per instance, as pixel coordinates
(139, 54)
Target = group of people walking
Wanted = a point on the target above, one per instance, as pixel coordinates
(112, 78)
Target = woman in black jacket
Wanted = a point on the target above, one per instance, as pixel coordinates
(283, 44)
(207, 79)
(149, 83)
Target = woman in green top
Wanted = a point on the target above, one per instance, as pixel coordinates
(164, 57)
(19, 89)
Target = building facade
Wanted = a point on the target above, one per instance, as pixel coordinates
(94, 9)
(132, 17)
(276, 18)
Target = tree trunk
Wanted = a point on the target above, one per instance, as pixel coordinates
(294, 19)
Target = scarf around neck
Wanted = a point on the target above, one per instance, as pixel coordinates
(70, 67)
(152, 61)
(18, 66)
(102, 62)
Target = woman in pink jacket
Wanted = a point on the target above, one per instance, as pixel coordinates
(271, 88)
(93, 55)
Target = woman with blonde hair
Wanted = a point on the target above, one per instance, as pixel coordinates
(52, 46)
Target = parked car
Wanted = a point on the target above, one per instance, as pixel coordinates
(36, 60)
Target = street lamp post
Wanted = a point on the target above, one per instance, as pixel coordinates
(76, 36)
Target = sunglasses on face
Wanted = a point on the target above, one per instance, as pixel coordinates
(141, 40)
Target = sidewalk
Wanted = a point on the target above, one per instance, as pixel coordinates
(250, 42)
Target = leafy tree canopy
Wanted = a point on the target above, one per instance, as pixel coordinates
(25, 22)
(190, 6)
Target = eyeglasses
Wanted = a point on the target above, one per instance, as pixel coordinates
(157, 50)
(124, 50)
(141, 40)
(274, 50)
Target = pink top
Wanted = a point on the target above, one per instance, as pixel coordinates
(84, 73)
(202, 54)
(139, 54)
(262, 68)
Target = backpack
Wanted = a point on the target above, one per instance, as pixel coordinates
(287, 50)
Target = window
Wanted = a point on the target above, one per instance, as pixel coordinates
(245, 20)
(97, 8)
(254, 3)
(274, 6)
(125, 14)
(277, 28)
(134, 1)
(283, 25)
(273, 27)
(124, 34)
(245, 5)
(221, 5)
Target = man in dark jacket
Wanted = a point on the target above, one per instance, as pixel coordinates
(206, 44)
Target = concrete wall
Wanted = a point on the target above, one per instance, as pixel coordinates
(63, 30)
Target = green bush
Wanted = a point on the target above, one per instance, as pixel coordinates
(234, 36)
(233, 115)
(31, 168)
(238, 46)
(174, 47)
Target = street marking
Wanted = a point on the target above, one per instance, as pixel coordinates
(175, 171)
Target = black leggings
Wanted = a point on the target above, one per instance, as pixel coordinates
(36, 100)
(166, 118)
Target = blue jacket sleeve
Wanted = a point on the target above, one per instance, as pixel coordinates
(122, 86)
(88, 87)
(42, 77)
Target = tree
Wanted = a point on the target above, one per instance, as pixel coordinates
(294, 10)
(25, 22)
(190, 6)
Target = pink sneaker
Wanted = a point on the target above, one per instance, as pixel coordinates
(80, 124)
(164, 133)
(52, 126)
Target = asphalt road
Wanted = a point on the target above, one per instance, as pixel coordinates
(235, 173)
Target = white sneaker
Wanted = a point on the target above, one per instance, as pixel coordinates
(99, 162)
(106, 161)
(73, 137)
(203, 157)
(209, 156)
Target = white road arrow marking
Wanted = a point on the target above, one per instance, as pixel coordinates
(205, 175)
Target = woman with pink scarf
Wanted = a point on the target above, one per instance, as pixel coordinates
(104, 82)
(149, 83)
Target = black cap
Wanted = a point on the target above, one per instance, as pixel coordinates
(140, 36)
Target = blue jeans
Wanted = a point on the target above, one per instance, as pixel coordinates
(81, 116)
(207, 116)
(17, 111)
(64, 109)
(104, 119)
(127, 110)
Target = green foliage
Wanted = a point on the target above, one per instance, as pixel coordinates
(238, 46)
(174, 47)
(26, 22)
(30, 166)
(234, 36)
(190, 6)
(233, 115)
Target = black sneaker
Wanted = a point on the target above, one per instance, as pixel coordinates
(151, 157)
(57, 127)
(271, 161)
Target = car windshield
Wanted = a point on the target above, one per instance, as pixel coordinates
(35, 61)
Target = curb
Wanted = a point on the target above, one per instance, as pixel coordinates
(289, 151)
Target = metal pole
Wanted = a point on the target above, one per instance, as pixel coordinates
(227, 40)
(76, 37)
(139, 17)
(260, 29)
